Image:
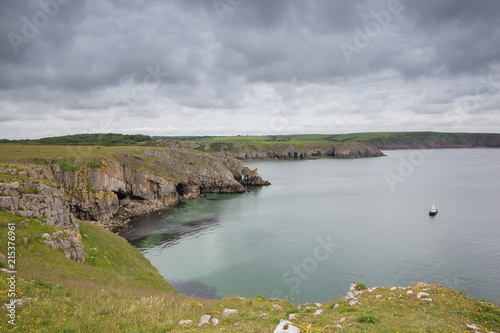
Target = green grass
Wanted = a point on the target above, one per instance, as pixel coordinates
(118, 290)
(31, 190)
(11, 152)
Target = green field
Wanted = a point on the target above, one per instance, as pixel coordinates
(288, 138)
(118, 290)
(379, 139)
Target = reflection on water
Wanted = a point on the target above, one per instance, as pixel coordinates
(169, 232)
(162, 229)
(194, 288)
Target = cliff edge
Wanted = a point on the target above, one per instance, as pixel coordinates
(255, 150)
(111, 189)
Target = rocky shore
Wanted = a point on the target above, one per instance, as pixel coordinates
(113, 189)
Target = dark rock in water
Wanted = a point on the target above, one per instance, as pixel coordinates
(194, 288)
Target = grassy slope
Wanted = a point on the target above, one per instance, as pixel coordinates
(9, 152)
(375, 137)
(296, 138)
(117, 290)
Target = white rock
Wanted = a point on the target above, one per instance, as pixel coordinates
(338, 326)
(427, 299)
(358, 292)
(393, 288)
(352, 302)
(353, 285)
(318, 304)
(342, 320)
(348, 295)
(204, 320)
(472, 326)
(286, 326)
(370, 290)
(292, 316)
(378, 296)
(215, 321)
(18, 302)
(277, 307)
(318, 312)
(185, 322)
(228, 312)
(335, 306)
(409, 292)
(420, 294)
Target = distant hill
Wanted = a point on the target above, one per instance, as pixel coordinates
(381, 140)
(100, 139)
(417, 140)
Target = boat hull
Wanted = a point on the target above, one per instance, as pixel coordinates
(433, 212)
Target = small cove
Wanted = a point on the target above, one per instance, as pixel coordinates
(323, 224)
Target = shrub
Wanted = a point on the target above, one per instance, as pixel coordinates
(367, 320)
(360, 286)
(31, 190)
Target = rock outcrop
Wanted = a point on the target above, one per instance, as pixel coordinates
(69, 240)
(281, 150)
(435, 140)
(115, 188)
(37, 199)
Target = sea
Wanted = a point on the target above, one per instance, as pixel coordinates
(326, 223)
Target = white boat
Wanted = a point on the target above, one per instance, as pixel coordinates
(433, 210)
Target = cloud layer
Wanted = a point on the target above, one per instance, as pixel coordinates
(227, 67)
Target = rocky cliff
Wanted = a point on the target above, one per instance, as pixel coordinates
(433, 140)
(246, 151)
(111, 189)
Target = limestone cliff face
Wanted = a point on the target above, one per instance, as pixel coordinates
(243, 174)
(281, 150)
(120, 186)
(34, 198)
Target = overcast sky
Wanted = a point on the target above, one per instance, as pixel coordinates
(228, 67)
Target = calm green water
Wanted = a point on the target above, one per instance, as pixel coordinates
(323, 224)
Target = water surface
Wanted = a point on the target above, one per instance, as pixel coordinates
(323, 224)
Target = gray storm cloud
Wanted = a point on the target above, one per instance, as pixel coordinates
(227, 67)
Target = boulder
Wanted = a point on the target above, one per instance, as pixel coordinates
(286, 326)
(204, 320)
(228, 312)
